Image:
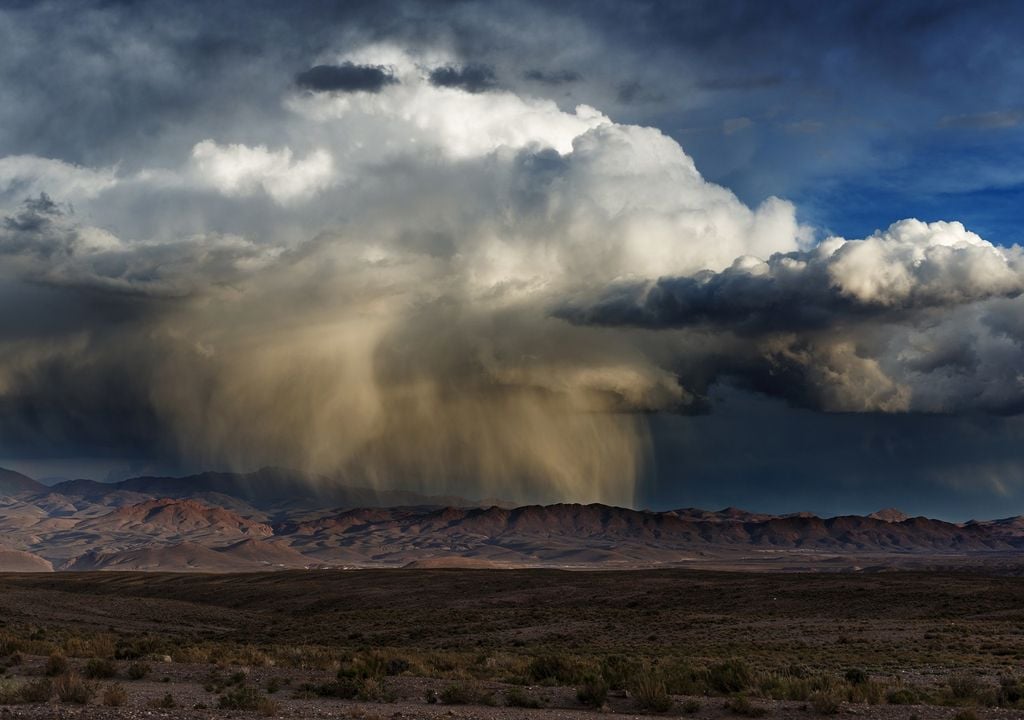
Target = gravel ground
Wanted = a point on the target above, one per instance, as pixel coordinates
(185, 683)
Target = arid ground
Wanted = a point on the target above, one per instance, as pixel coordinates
(539, 643)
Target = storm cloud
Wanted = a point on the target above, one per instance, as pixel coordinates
(344, 78)
(394, 269)
(471, 78)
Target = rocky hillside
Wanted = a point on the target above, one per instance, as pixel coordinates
(273, 519)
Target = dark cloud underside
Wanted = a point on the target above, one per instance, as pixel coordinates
(346, 77)
(471, 78)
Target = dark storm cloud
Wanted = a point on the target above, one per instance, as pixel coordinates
(552, 77)
(633, 91)
(346, 77)
(471, 78)
(756, 452)
(733, 299)
(792, 292)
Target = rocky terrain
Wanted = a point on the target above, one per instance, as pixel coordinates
(273, 518)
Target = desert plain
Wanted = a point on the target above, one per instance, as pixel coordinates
(470, 643)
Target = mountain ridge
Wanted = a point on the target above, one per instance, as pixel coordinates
(276, 519)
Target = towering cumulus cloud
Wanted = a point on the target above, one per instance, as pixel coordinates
(417, 277)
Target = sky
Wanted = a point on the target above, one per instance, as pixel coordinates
(657, 254)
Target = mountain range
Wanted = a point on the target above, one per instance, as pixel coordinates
(281, 519)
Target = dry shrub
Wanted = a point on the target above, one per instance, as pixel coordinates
(731, 676)
(466, 692)
(95, 646)
(71, 688)
(138, 670)
(650, 693)
(100, 669)
(114, 695)
(166, 702)
(825, 703)
(741, 705)
(56, 664)
(691, 706)
(305, 657)
(193, 654)
(552, 669)
(517, 697)
(964, 686)
(593, 691)
(35, 691)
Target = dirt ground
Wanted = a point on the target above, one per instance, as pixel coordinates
(906, 628)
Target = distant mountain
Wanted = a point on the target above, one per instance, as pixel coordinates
(265, 489)
(599, 534)
(12, 483)
(277, 519)
(891, 515)
(19, 561)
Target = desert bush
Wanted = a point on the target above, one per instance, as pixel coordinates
(114, 695)
(56, 664)
(95, 646)
(251, 656)
(9, 643)
(396, 666)
(618, 671)
(268, 707)
(785, 687)
(374, 690)
(966, 715)
(305, 657)
(273, 685)
(465, 693)
(9, 693)
(1010, 692)
(138, 670)
(681, 678)
(363, 666)
(593, 691)
(100, 669)
(871, 692)
(741, 705)
(166, 702)
(648, 689)
(691, 706)
(244, 697)
(551, 669)
(902, 696)
(964, 686)
(141, 646)
(825, 703)
(856, 676)
(342, 688)
(71, 688)
(731, 676)
(517, 697)
(35, 691)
